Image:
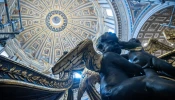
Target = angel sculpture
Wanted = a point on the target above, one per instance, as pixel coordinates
(119, 78)
(137, 55)
(88, 81)
(135, 48)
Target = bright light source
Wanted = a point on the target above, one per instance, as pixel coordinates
(109, 12)
(76, 75)
(111, 30)
(4, 54)
(145, 44)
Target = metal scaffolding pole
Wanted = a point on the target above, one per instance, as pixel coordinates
(13, 28)
(170, 22)
(171, 16)
(11, 22)
(8, 33)
(7, 24)
(20, 14)
(7, 11)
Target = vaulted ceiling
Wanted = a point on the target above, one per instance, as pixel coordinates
(55, 26)
(52, 27)
(152, 28)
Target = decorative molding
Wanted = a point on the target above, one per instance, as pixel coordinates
(118, 19)
(148, 15)
(78, 20)
(58, 16)
(16, 74)
(152, 28)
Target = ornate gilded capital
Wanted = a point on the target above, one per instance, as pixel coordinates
(169, 35)
(154, 45)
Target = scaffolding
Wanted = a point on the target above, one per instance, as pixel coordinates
(10, 21)
(170, 22)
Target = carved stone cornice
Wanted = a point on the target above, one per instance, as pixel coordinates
(16, 74)
(118, 19)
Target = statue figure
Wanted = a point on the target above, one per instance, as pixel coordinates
(88, 81)
(129, 81)
(119, 78)
(145, 59)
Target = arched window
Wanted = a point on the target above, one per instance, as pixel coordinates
(109, 12)
(4, 54)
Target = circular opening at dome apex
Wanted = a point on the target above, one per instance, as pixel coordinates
(56, 20)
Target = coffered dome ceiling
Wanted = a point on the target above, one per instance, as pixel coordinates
(152, 28)
(55, 26)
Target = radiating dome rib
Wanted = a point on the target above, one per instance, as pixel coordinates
(41, 47)
(25, 34)
(86, 5)
(46, 5)
(64, 4)
(63, 22)
(86, 29)
(77, 35)
(52, 5)
(65, 42)
(32, 5)
(29, 11)
(92, 18)
(70, 41)
(67, 6)
(52, 57)
(59, 43)
(33, 39)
